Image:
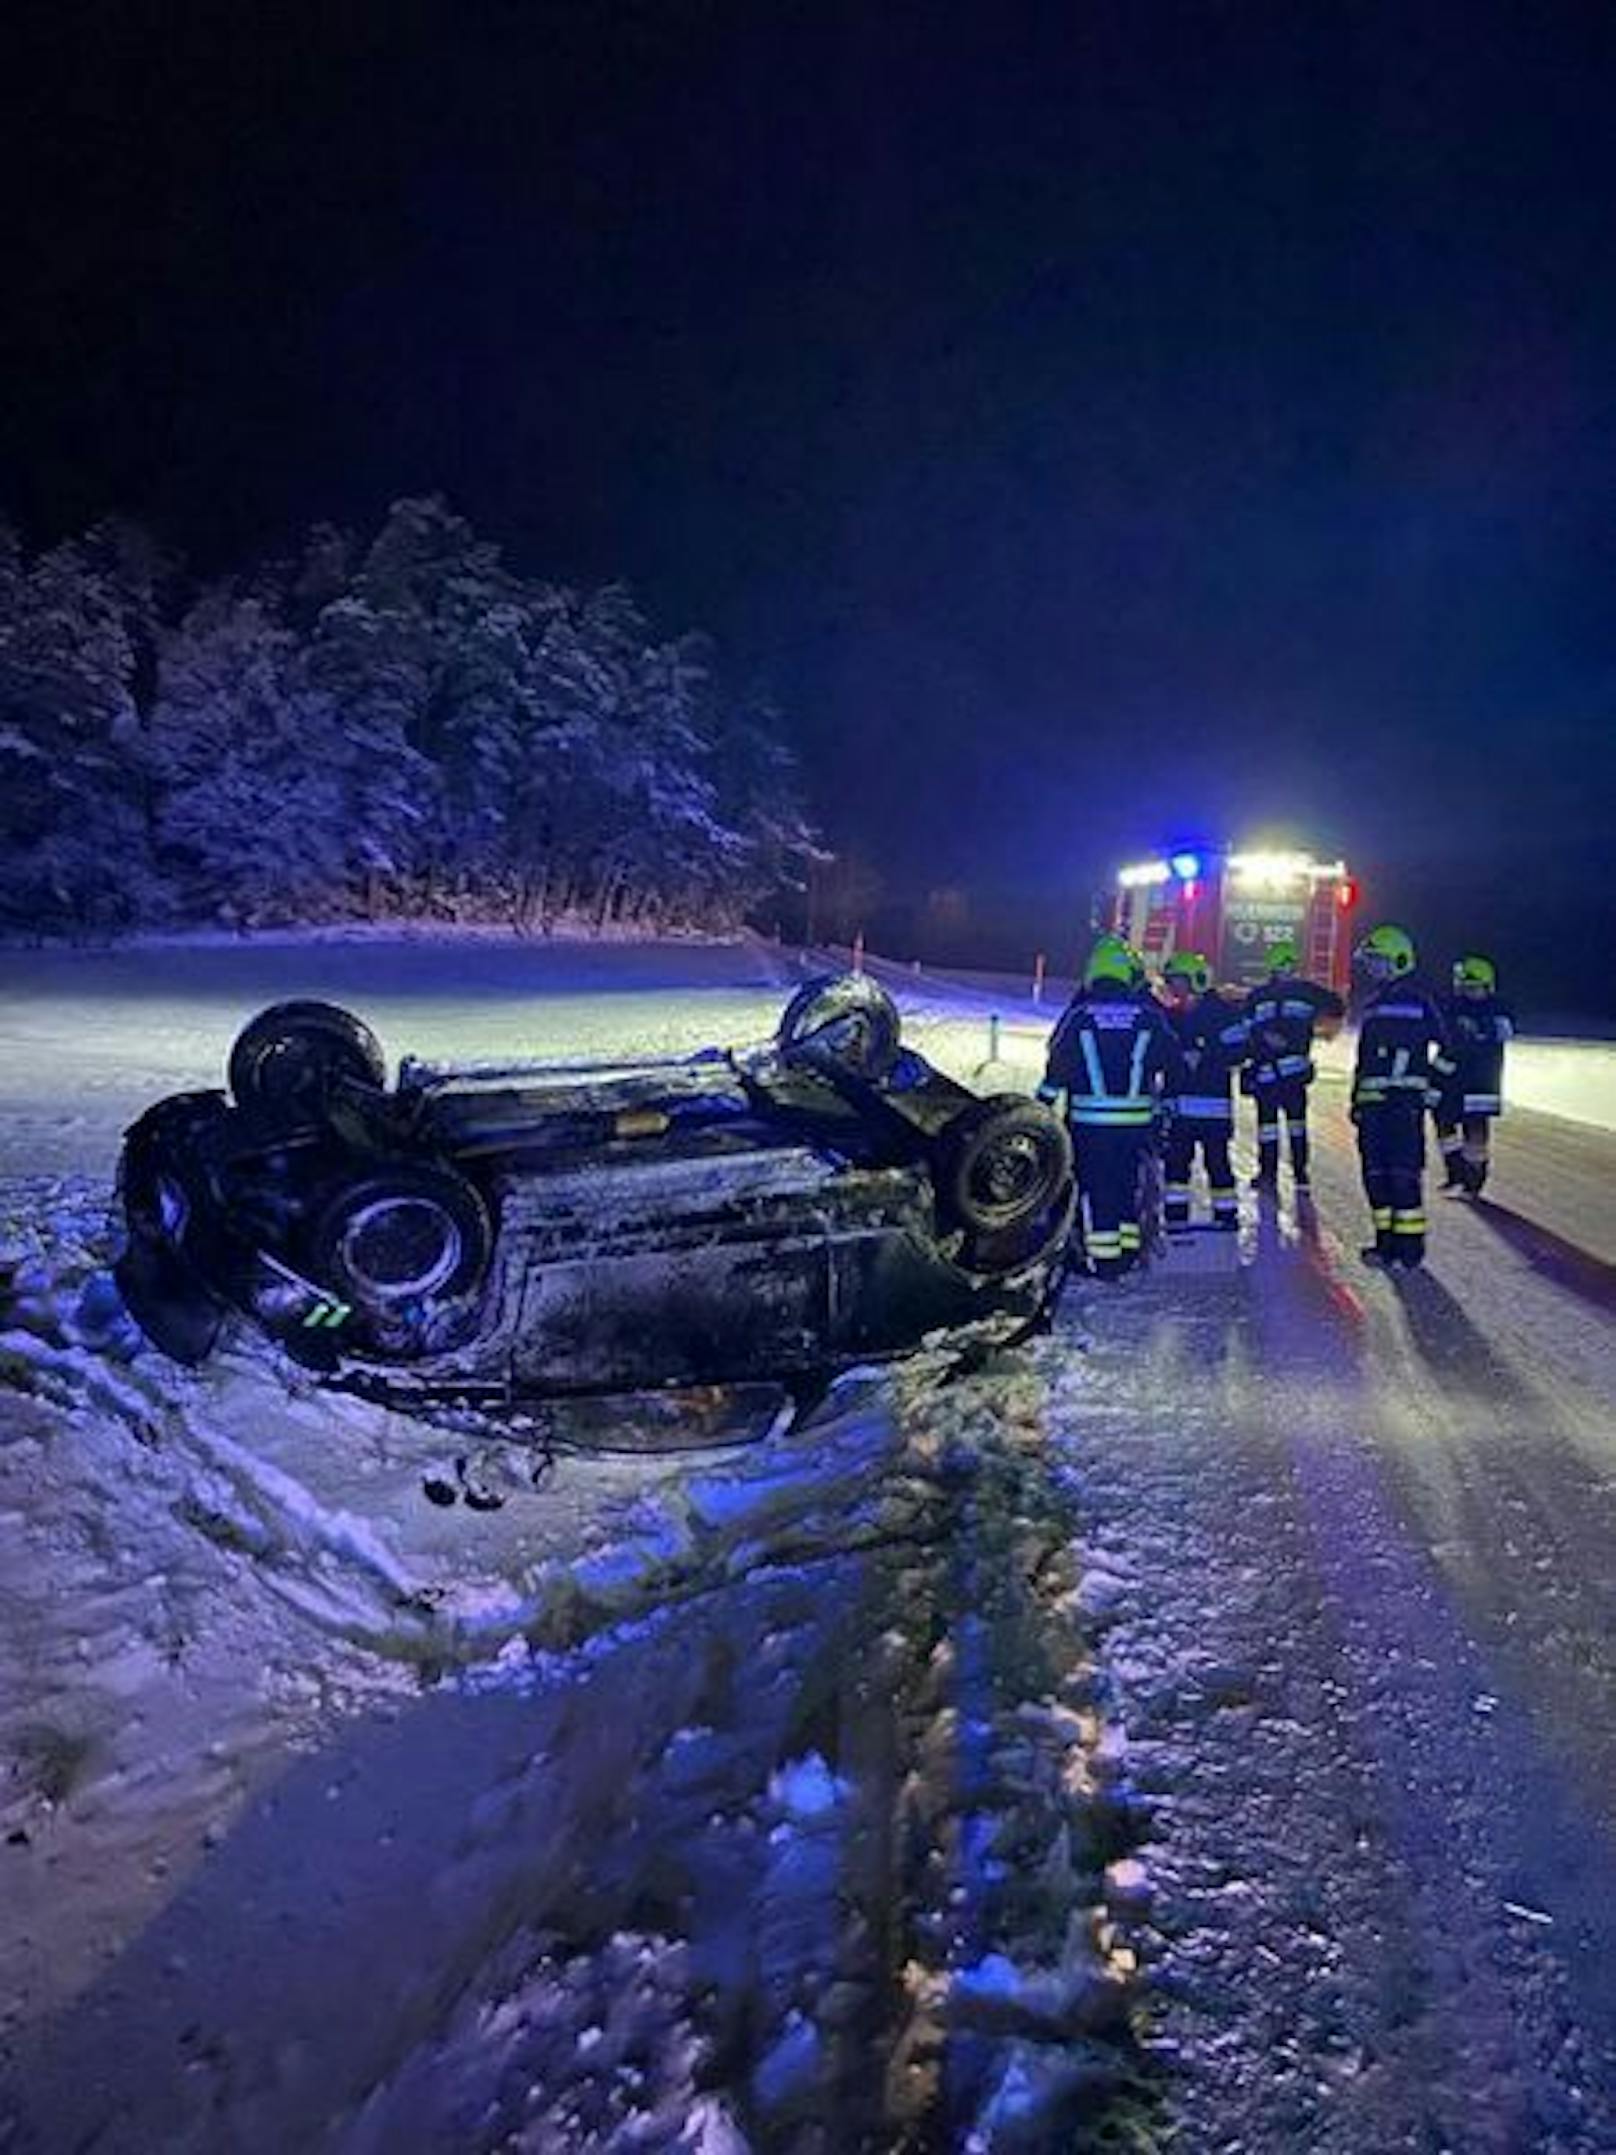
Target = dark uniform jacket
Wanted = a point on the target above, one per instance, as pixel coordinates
(1282, 1014)
(1402, 1048)
(1212, 1039)
(1112, 1056)
(1479, 1028)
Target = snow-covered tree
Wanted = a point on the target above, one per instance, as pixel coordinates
(73, 833)
(252, 765)
(400, 725)
(760, 797)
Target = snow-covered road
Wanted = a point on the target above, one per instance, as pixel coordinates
(1366, 1659)
(1203, 1724)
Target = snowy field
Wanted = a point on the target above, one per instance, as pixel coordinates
(1196, 1730)
(1574, 1078)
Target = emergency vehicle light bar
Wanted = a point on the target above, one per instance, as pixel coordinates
(1277, 869)
(1271, 870)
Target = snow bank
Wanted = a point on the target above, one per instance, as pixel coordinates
(1574, 1078)
(424, 1789)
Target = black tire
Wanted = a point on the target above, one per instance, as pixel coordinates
(404, 1244)
(167, 1273)
(291, 1055)
(163, 1153)
(1003, 1176)
(846, 1019)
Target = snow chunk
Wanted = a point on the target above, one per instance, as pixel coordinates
(785, 2072)
(996, 1997)
(710, 2130)
(1038, 2095)
(1127, 1885)
(806, 1788)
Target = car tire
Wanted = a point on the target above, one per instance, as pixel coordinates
(405, 1244)
(160, 1151)
(1003, 1177)
(292, 1054)
(162, 1271)
(846, 1019)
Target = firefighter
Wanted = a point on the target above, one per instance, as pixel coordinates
(1212, 1041)
(1282, 1015)
(1402, 1058)
(1480, 1026)
(1112, 1061)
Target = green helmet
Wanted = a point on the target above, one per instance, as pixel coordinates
(1386, 952)
(1112, 958)
(1474, 974)
(1112, 941)
(1190, 967)
(1283, 956)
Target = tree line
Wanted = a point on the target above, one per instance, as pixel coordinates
(392, 728)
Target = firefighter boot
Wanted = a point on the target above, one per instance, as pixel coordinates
(1473, 1164)
(1301, 1165)
(1267, 1175)
(1408, 1239)
(1453, 1164)
(1383, 1250)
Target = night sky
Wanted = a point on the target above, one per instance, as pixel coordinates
(1093, 423)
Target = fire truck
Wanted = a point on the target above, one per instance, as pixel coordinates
(1233, 904)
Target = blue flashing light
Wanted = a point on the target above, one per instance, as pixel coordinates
(1186, 866)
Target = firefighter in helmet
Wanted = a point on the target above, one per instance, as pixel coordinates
(1282, 1016)
(1480, 1026)
(1212, 1040)
(1112, 1060)
(1403, 1060)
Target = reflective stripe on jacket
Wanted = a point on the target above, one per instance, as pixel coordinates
(1113, 1055)
(1402, 1048)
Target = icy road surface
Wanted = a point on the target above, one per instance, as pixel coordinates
(1197, 1731)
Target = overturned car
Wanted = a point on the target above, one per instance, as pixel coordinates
(492, 1232)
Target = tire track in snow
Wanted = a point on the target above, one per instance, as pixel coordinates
(829, 1761)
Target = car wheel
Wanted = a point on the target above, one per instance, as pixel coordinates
(1003, 1175)
(163, 1271)
(292, 1054)
(402, 1243)
(845, 1019)
(161, 1151)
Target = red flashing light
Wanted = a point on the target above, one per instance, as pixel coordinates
(1191, 891)
(1346, 894)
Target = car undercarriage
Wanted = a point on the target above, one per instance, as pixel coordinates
(493, 1232)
